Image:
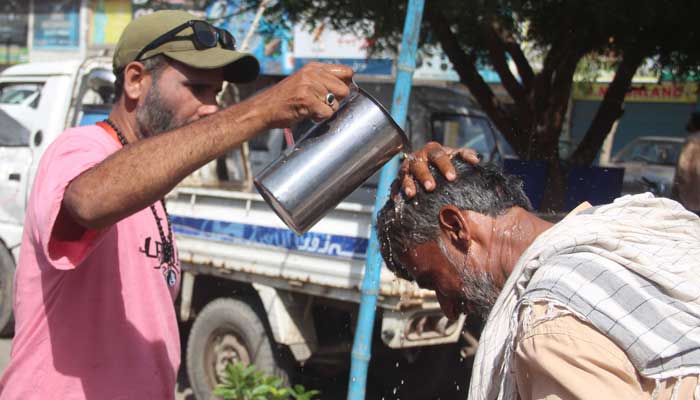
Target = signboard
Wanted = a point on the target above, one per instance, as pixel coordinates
(109, 19)
(142, 7)
(57, 24)
(269, 42)
(433, 64)
(647, 92)
(14, 16)
(320, 43)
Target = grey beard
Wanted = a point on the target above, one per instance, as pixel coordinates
(478, 288)
(153, 117)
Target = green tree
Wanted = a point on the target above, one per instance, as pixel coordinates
(561, 32)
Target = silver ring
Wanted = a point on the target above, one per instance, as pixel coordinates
(330, 98)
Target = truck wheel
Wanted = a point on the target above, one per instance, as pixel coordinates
(7, 275)
(226, 331)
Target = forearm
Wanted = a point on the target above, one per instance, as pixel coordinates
(143, 172)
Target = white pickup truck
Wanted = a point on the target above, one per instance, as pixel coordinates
(252, 290)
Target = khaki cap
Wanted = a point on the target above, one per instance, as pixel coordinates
(238, 66)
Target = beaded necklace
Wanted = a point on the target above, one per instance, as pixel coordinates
(167, 255)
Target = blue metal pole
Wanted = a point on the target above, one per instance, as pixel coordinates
(362, 345)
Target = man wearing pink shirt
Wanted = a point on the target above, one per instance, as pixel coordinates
(98, 267)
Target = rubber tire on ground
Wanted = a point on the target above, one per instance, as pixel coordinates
(7, 277)
(235, 316)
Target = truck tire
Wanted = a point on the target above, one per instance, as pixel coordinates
(227, 330)
(7, 277)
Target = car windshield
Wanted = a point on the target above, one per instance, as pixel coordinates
(19, 94)
(651, 151)
(459, 130)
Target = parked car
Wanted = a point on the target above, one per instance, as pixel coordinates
(650, 164)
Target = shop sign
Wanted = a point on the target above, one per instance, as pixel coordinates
(143, 7)
(14, 15)
(57, 24)
(667, 92)
(270, 42)
(109, 19)
(318, 42)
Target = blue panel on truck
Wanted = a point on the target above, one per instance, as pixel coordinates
(311, 242)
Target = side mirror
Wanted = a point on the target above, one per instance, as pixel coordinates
(99, 78)
(101, 81)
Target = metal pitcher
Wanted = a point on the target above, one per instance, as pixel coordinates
(330, 161)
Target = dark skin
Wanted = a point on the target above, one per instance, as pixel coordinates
(489, 244)
(415, 168)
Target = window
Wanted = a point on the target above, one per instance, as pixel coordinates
(96, 97)
(460, 130)
(18, 112)
(652, 152)
(26, 94)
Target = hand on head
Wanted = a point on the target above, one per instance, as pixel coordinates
(416, 166)
(305, 94)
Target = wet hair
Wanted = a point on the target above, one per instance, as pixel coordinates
(152, 64)
(403, 224)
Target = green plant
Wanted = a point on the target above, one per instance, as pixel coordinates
(247, 383)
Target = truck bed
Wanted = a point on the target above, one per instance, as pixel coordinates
(236, 234)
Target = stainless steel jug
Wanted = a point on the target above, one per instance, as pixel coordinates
(331, 160)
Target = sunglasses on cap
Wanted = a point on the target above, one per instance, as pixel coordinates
(204, 36)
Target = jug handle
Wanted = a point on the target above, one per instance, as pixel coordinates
(354, 90)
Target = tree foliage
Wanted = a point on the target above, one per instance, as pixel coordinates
(561, 32)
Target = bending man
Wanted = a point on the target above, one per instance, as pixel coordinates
(604, 304)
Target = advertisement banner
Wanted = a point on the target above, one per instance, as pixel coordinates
(433, 64)
(109, 19)
(667, 92)
(142, 7)
(319, 42)
(269, 42)
(14, 17)
(57, 24)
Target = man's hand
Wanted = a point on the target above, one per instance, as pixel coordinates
(415, 166)
(305, 94)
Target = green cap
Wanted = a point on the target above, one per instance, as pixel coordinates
(238, 67)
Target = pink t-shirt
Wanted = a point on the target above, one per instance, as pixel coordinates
(94, 314)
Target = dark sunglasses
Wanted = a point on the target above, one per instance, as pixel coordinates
(205, 36)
